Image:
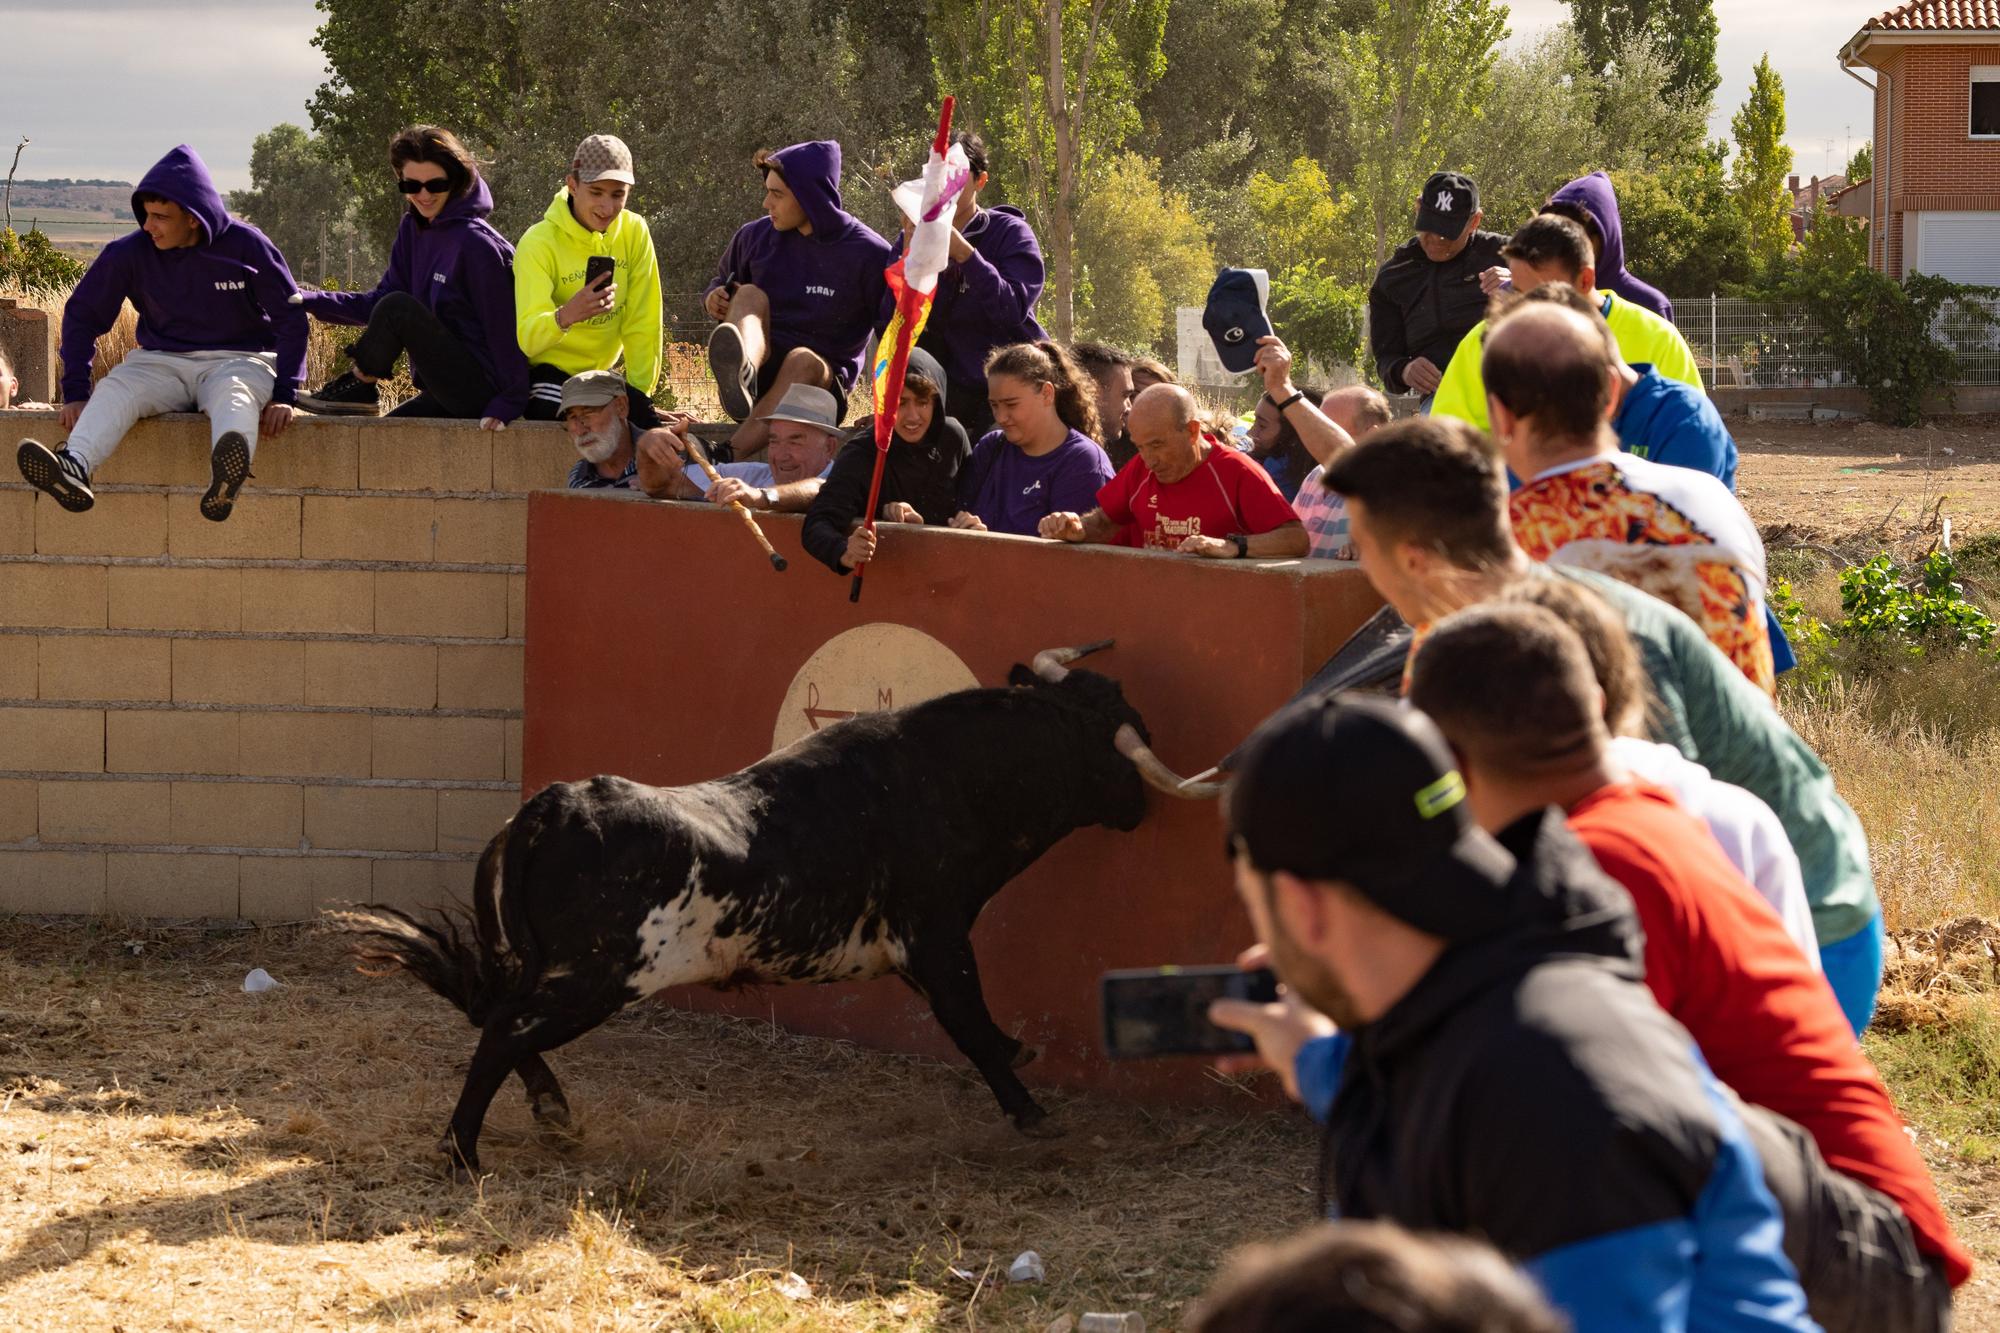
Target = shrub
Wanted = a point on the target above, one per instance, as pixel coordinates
(32, 261)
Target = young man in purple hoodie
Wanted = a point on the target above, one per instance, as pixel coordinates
(1591, 203)
(798, 291)
(218, 333)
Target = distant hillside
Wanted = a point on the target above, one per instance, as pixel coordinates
(106, 199)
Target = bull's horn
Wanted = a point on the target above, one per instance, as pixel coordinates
(1157, 774)
(1052, 664)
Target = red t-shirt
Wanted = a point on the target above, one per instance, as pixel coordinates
(1226, 493)
(1719, 961)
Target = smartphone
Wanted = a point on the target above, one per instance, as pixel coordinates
(597, 266)
(1164, 1010)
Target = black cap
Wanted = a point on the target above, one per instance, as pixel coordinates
(1234, 316)
(1364, 791)
(1448, 202)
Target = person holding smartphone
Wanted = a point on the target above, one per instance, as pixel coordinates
(587, 285)
(447, 298)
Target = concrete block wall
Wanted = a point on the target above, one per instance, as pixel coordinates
(319, 699)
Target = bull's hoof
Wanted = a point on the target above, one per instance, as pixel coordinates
(554, 1127)
(1024, 1055)
(1035, 1123)
(550, 1112)
(459, 1167)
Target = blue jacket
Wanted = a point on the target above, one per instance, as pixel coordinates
(463, 272)
(1676, 424)
(988, 300)
(230, 291)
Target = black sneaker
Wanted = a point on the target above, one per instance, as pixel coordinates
(343, 395)
(734, 375)
(58, 472)
(227, 467)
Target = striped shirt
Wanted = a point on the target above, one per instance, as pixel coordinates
(1325, 516)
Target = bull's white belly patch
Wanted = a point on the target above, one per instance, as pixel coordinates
(678, 945)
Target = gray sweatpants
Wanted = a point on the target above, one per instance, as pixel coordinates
(231, 387)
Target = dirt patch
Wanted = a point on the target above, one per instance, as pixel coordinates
(1835, 482)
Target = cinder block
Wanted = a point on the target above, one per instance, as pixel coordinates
(237, 814)
(532, 457)
(375, 819)
(193, 599)
(120, 523)
(467, 820)
(351, 527)
(17, 522)
(371, 675)
(443, 605)
(18, 667)
(514, 730)
(413, 456)
(52, 740)
(471, 748)
(317, 454)
(18, 821)
(480, 676)
(161, 452)
(106, 812)
(261, 527)
(308, 601)
(238, 671)
(183, 884)
(304, 745)
(517, 606)
(296, 888)
(54, 596)
(89, 666)
(482, 532)
(144, 741)
(38, 881)
(414, 885)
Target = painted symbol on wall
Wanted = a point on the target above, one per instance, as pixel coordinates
(868, 669)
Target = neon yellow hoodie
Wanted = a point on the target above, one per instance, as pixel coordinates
(1643, 339)
(548, 270)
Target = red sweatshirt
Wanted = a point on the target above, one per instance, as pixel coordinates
(1718, 960)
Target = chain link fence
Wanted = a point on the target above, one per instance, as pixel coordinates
(1779, 345)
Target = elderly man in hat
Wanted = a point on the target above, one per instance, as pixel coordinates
(804, 436)
(1426, 297)
(596, 413)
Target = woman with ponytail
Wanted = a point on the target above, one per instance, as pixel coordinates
(1042, 457)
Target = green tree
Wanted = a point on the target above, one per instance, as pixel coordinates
(303, 197)
(1685, 28)
(1055, 84)
(1538, 129)
(1683, 230)
(1762, 161)
(1861, 166)
(1141, 253)
(1299, 219)
(1643, 120)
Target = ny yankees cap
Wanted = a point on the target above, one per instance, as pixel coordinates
(1365, 791)
(1449, 200)
(602, 157)
(1234, 316)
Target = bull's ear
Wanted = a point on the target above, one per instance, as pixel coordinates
(1022, 677)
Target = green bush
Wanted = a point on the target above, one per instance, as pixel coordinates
(32, 261)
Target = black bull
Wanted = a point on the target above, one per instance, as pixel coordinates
(863, 850)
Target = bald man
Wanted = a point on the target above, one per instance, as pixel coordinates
(1551, 387)
(1358, 410)
(1185, 491)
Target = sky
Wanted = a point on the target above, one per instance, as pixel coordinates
(104, 87)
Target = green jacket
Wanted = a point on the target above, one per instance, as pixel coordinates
(548, 270)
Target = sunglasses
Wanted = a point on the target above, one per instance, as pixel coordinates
(436, 185)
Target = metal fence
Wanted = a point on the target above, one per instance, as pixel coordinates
(1778, 345)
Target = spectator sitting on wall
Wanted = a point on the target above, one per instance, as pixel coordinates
(1427, 508)
(919, 478)
(567, 326)
(1372, 1277)
(1186, 491)
(1548, 248)
(1426, 295)
(1043, 455)
(986, 295)
(798, 457)
(598, 418)
(447, 298)
(1359, 411)
(219, 333)
(1512, 689)
(1465, 1016)
(1111, 370)
(797, 292)
(1148, 371)
(1549, 382)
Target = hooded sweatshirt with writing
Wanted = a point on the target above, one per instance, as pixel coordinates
(826, 289)
(1594, 195)
(548, 270)
(229, 291)
(463, 272)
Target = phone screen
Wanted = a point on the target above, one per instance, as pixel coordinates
(597, 266)
(1164, 1010)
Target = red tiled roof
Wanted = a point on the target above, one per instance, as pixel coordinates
(1939, 16)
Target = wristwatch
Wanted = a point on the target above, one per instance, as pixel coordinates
(1242, 541)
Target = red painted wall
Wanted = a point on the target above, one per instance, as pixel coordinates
(661, 645)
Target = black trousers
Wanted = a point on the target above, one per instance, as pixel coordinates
(454, 383)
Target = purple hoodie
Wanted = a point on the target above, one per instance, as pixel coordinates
(989, 300)
(1594, 195)
(463, 272)
(826, 289)
(230, 291)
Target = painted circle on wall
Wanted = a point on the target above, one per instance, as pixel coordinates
(868, 669)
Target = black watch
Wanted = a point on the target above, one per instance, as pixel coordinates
(1289, 401)
(1242, 541)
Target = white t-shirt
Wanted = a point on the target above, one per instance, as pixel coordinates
(1748, 830)
(750, 474)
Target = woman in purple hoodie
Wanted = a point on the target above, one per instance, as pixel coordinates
(447, 298)
(1592, 205)
(1044, 456)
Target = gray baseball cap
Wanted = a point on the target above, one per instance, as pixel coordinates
(593, 388)
(808, 406)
